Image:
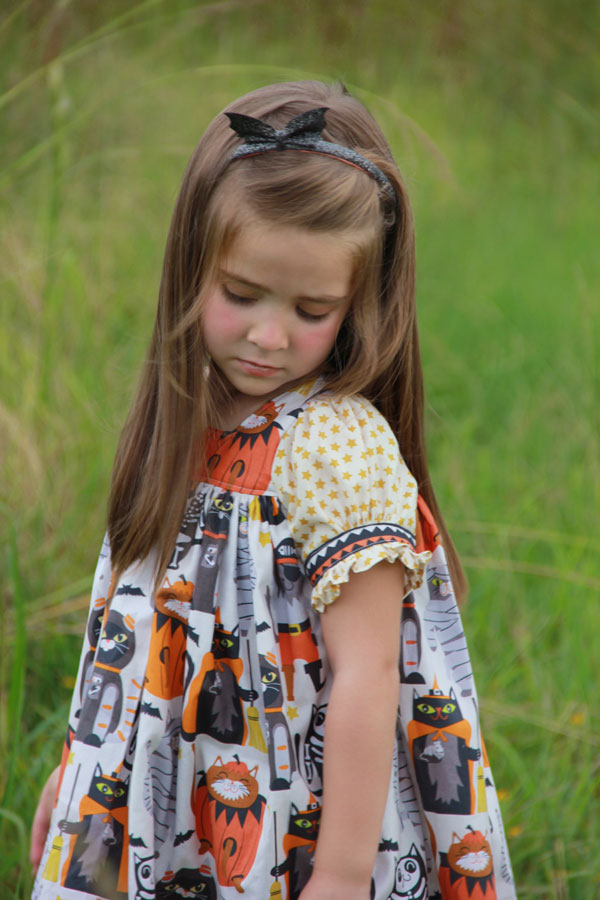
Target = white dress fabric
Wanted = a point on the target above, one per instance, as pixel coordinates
(193, 760)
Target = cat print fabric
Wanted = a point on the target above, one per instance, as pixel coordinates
(193, 764)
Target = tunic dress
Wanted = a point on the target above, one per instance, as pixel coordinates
(194, 756)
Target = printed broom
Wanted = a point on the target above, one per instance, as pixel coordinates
(52, 866)
(275, 889)
(255, 736)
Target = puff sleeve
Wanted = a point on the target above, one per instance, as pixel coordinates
(351, 500)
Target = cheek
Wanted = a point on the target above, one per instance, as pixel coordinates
(221, 322)
(317, 342)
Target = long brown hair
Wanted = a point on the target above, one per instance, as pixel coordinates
(376, 351)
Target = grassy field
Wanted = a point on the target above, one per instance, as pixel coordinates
(492, 110)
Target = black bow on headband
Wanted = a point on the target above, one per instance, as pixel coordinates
(303, 132)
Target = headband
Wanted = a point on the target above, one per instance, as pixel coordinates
(303, 132)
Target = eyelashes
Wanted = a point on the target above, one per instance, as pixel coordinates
(236, 298)
(241, 300)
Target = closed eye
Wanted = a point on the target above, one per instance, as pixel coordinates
(236, 298)
(311, 317)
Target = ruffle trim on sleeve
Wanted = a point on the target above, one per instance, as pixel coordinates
(327, 588)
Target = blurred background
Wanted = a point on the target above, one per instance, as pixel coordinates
(492, 110)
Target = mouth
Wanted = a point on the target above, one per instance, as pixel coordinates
(256, 368)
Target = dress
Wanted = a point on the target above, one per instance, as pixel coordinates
(193, 759)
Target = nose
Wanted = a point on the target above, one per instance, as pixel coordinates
(268, 334)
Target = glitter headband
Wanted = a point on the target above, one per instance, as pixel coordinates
(303, 132)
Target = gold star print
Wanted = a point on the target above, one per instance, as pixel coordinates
(379, 483)
(320, 484)
(347, 458)
(362, 422)
(335, 447)
(406, 506)
(333, 495)
(311, 511)
(354, 508)
(264, 538)
(323, 418)
(277, 470)
(292, 713)
(351, 427)
(370, 451)
(305, 454)
(351, 442)
(388, 470)
(381, 429)
(335, 429)
(281, 454)
(334, 463)
(303, 522)
(358, 487)
(322, 435)
(309, 495)
(321, 450)
(305, 389)
(317, 464)
(364, 507)
(362, 473)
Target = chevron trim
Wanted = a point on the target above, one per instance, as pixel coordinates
(343, 545)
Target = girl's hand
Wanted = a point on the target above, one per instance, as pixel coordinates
(330, 886)
(41, 820)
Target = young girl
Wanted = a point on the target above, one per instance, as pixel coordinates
(275, 696)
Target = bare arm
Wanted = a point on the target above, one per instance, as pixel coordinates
(362, 635)
(41, 820)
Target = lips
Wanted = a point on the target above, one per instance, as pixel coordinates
(256, 368)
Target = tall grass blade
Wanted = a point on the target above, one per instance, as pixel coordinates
(11, 740)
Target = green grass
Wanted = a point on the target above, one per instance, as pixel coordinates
(492, 111)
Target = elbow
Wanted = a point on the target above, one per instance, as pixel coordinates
(366, 675)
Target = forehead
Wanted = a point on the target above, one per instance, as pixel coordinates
(288, 258)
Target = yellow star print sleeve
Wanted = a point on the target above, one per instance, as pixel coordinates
(351, 500)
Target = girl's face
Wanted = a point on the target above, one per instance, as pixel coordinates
(272, 317)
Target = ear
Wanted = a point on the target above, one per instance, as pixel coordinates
(413, 851)
(219, 762)
(451, 693)
(253, 772)
(98, 773)
(455, 838)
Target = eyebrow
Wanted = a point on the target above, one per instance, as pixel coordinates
(326, 298)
